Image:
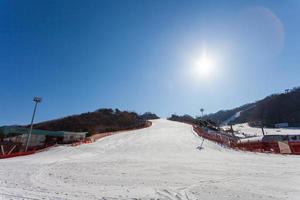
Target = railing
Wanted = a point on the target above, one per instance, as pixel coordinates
(8, 147)
(16, 154)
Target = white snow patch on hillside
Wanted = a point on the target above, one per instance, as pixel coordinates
(232, 118)
(160, 162)
(253, 131)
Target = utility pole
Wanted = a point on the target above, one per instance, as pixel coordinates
(36, 100)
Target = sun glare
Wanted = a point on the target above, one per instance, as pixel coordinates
(204, 66)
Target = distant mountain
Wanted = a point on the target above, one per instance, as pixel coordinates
(102, 120)
(227, 116)
(276, 108)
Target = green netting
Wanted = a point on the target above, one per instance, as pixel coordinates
(19, 130)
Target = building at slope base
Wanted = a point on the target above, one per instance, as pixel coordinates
(19, 134)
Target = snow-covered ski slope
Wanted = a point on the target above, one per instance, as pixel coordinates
(160, 162)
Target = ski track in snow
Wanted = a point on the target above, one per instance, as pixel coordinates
(159, 162)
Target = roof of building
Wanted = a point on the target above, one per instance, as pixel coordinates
(20, 130)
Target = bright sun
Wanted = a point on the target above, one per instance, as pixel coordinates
(204, 66)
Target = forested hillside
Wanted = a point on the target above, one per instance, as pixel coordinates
(223, 115)
(276, 108)
(191, 120)
(101, 120)
(149, 116)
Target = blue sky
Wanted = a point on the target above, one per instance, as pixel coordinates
(140, 55)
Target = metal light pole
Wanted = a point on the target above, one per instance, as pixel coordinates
(36, 100)
(201, 110)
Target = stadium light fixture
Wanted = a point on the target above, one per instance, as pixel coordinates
(36, 100)
(202, 110)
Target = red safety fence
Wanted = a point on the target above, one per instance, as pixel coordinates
(219, 138)
(254, 146)
(258, 146)
(86, 141)
(31, 150)
(295, 147)
(98, 136)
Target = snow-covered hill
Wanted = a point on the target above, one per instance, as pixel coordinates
(160, 162)
(232, 118)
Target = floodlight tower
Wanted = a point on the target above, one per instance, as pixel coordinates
(202, 110)
(36, 100)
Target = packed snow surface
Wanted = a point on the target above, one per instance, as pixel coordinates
(159, 162)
